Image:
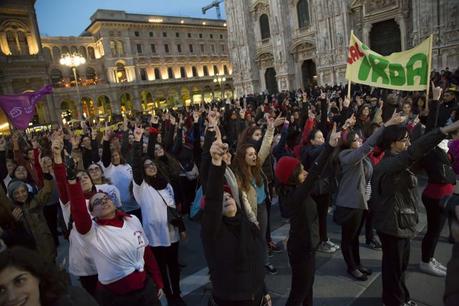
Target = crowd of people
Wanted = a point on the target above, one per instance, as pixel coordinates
(122, 193)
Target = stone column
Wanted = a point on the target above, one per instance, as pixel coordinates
(402, 25)
(366, 33)
(136, 102)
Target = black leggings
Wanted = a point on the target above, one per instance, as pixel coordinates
(435, 222)
(395, 258)
(167, 258)
(350, 231)
(323, 202)
(302, 280)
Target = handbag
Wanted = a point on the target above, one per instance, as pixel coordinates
(173, 217)
(192, 174)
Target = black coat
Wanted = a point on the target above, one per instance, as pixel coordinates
(302, 211)
(394, 188)
(222, 247)
(438, 167)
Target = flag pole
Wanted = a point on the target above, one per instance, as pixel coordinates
(349, 81)
(429, 68)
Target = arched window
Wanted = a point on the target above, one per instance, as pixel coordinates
(47, 54)
(302, 9)
(225, 70)
(205, 70)
(194, 71)
(264, 27)
(73, 49)
(82, 51)
(90, 74)
(56, 77)
(17, 42)
(157, 74)
(182, 72)
(65, 50)
(216, 70)
(170, 73)
(120, 73)
(56, 53)
(91, 53)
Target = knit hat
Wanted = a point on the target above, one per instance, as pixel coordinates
(227, 188)
(285, 168)
(13, 185)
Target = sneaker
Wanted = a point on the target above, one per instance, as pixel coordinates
(430, 268)
(274, 248)
(411, 303)
(357, 275)
(324, 247)
(332, 244)
(438, 264)
(271, 269)
(374, 244)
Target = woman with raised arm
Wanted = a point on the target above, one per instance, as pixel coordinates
(81, 263)
(155, 197)
(119, 172)
(232, 244)
(295, 187)
(119, 247)
(354, 191)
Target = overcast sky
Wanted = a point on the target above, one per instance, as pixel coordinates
(66, 18)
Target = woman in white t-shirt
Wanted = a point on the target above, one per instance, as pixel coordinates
(120, 175)
(118, 245)
(154, 194)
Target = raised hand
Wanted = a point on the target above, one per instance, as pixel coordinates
(350, 122)
(212, 119)
(436, 92)
(334, 137)
(17, 213)
(322, 95)
(138, 132)
(346, 102)
(195, 116)
(396, 119)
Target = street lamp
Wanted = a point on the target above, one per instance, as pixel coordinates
(220, 79)
(73, 61)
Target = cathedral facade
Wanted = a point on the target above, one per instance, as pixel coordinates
(277, 45)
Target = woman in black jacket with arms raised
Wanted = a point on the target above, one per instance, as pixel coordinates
(296, 186)
(233, 246)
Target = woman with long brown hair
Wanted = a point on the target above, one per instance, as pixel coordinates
(252, 181)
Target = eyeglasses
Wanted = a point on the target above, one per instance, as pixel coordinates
(100, 201)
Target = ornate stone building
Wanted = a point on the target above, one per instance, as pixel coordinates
(133, 62)
(287, 44)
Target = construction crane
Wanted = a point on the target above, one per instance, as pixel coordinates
(216, 4)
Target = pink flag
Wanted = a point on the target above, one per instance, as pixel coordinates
(20, 109)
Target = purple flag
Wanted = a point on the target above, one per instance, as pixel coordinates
(20, 109)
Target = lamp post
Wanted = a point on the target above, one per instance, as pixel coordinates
(73, 61)
(220, 79)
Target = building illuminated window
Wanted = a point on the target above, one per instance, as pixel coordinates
(205, 70)
(143, 74)
(120, 73)
(170, 73)
(17, 42)
(216, 70)
(157, 74)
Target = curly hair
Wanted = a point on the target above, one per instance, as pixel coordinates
(244, 172)
(53, 283)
